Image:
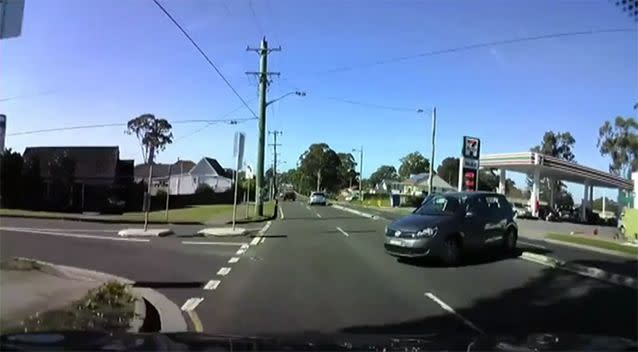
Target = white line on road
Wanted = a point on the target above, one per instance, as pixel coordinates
(281, 213)
(240, 251)
(215, 243)
(212, 285)
(66, 230)
(318, 215)
(263, 239)
(244, 246)
(343, 232)
(307, 207)
(233, 260)
(255, 241)
(74, 235)
(532, 244)
(450, 310)
(223, 271)
(191, 303)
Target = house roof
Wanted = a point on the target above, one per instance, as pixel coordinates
(90, 161)
(422, 179)
(162, 170)
(217, 167)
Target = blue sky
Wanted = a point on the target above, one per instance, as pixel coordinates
(88, 62)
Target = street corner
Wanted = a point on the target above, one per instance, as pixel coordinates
(140, 232)
(222, 231)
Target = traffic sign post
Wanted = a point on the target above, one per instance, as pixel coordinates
(469, 164)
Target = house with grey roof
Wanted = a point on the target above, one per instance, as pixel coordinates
(206, 171)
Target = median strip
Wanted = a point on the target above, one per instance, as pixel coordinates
(592, 272)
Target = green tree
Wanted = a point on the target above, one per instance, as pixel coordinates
(620, 142)
(559, 145)
(11, 185)
(384, 172)
(33, 185)
(320, 165)
(449, 170)
(413, 163)
(347, 171)
(153, 134)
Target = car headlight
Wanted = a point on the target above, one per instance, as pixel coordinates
(427, 232)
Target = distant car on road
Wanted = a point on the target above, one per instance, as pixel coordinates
(521, 210)
(448, 224)
(289, 195)
(317, 198)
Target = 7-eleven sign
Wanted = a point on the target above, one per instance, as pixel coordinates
(471, 147)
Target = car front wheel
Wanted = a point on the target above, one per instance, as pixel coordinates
(451, 252)
(509, 241)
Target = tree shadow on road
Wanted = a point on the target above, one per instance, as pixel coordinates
(477, 258)
(553, 301)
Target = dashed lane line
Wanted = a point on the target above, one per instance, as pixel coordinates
(223, 271)
(233, 260)
(240, 251)
(212, 285)
(191, 303)
(281, 213)
(452, 311)
(318, 215)
(343, 232)
(255, 241)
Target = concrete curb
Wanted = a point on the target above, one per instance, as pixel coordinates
(222, 232)
(592, 272)
(357, 212)
(171, 319)
(142, 233)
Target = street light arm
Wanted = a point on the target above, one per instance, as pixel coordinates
(301, 94)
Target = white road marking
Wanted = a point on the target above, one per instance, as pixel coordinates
(191, 303)
(212, 285)
(214, 243)
(244, 246)
(74, 235)
(263, 239)
(240, 251)
(307, 207)
(343, 232)
(532, 244)
(450, 310)
(233, 260)
(318, 215)
(281, 213)
(255, 241)
(223, 271)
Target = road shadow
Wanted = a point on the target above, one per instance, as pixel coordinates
(627, 267)
(270, 236)
(323, 218)
(552, 301)
(169, 284)
(475, 258)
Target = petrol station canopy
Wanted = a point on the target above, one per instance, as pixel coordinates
(528, 162)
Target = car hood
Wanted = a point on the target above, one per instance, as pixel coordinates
(415, 222)
(190, 341)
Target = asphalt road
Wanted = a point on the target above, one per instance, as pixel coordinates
(320, 269)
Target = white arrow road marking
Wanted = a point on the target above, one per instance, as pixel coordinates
(212, 285)
(233, 260)
(223, 271)
(450, 310)
(343, 232)
(73, 235)
(191, 303)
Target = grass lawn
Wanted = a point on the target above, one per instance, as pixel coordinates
(195, 214)
(592, 242)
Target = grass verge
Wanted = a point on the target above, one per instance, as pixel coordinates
(19, 264)
(109, 307)
(592, 242)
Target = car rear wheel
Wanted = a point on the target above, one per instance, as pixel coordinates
(451, 252)
(509, 241)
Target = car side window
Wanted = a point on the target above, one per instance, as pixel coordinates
(506, 207)
(494, 206)
(477, 206)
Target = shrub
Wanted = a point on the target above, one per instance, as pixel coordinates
(413, 201)
(204, 188)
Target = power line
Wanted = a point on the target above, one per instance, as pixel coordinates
(475, 46)
(121, 124)
(369, 105)
(205, 56)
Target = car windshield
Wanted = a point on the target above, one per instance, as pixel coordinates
(317, 194)
(439, 205)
